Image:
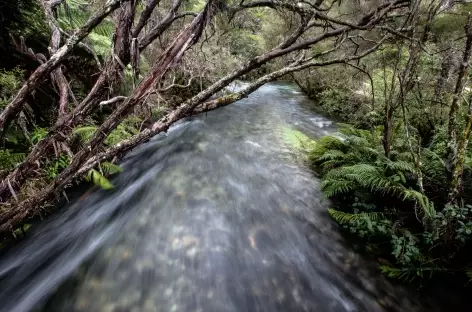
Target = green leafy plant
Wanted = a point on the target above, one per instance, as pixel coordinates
(85, 133)
(98, 177)
(409, 274)
(38, 134)
(9, 159)
(57, 166)
(355, 162)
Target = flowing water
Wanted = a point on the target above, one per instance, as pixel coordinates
(219, 214)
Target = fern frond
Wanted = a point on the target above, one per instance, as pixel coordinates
(85, 133)
(9, 160)
(109, 168)
(408, 273)
(336, 187)
(422, 200)
(98, 179)
(399, 165)
(343, 217)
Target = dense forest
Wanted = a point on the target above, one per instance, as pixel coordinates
(84, 82)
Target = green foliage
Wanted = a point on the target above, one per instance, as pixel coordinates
(108, 168)
(10, 82)
(344, 218)
(38, 134)
(54, 168)
(9, 159)
(75, 13)
(448, 22)
(84, 133)
(31, 23)
(98, 179)
(363, 224)
(408, 274)
(460, 217)
(355, 162)
(378, 193)
(405, 248)
(125, 130)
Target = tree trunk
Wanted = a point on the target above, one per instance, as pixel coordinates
(458, 170)
(387, 133)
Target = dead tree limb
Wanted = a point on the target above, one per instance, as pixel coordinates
(111, 74)
(57, 75)
(170, 57)
(144, 18)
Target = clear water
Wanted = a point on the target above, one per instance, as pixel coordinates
(219, 214)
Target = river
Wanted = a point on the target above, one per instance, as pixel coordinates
(219, 214)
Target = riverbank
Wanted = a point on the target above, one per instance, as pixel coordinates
(377, 202)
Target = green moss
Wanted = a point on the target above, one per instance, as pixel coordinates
(297, 139)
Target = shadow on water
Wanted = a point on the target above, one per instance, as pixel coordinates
(216, 215)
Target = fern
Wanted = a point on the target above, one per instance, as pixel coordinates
(399, 165)
(422, 200)
(38, 134)
(55, 167)
(335, 187)
(98, 179)
(344, 218)
(9, 159)
(109, 168)
(408, 274)
(85, 133)
(75, 13)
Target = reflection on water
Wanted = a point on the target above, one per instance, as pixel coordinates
(216, 215)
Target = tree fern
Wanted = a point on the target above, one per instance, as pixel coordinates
(358, 163)
(75, 13)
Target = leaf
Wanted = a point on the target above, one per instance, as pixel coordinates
(408, 273)
(109, 168)
(85, 133)
(9, 159)
(98, 179)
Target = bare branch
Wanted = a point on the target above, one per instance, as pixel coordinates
(114, 100)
